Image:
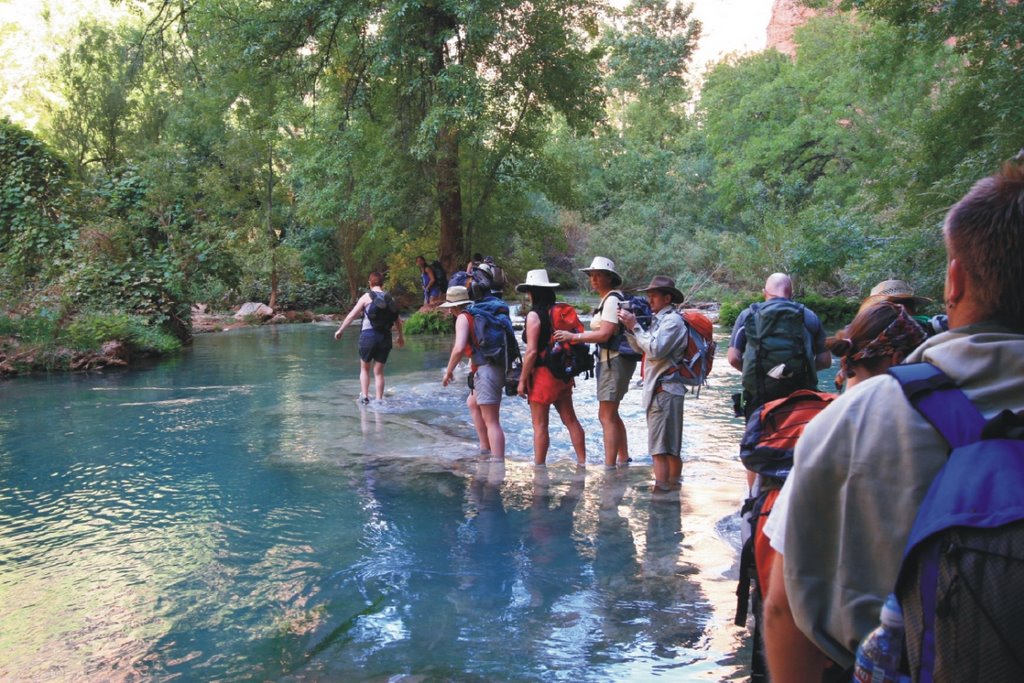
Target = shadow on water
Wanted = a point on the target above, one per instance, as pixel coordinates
(233, 514)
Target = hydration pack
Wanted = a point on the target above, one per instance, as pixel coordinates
(639, 306)
(699, 356)
(961, 583)
(567, 360)
(382, 311)
(492, 339)
(779, 358)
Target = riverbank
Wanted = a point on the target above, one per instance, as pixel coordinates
(21, 357)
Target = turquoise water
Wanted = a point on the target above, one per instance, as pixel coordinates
(232, 514)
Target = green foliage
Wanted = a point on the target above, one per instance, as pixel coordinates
(90, 330)
(810, 154)
(40, 328)
(731, 308)
(430, 322)
(34, 198)
(833, 311)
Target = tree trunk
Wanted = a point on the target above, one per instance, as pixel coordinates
(449, 201)
(270, 229)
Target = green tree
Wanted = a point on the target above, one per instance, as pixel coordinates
(35, 198)
(805, 150)
(450, 82)
(113, 102)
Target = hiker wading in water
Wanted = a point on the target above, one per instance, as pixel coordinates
(613, 370)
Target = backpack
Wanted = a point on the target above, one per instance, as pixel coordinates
(773, 429)
(700, 349)
(961, 580)
(486, 280)
(382, 311)
(439, 274)
(459, 279)
(641, 309)
(566, 361)
(492, 338)
(778, 358)
(769, 439)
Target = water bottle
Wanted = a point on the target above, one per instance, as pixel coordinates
(879, 654)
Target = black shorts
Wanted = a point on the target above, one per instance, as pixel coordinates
(374, 345)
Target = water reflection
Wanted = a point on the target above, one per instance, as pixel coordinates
(235, 515)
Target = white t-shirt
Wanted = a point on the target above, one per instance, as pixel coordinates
(775, 527)
(609, 311)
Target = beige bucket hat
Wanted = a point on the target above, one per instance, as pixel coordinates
(456, 296)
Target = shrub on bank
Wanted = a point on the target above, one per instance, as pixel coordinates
(431, 322)
(42, 341)
(833, 311)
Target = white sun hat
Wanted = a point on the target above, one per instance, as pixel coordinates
(536, 278)
(606, 264)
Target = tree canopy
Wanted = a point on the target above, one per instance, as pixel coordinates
(221, 151)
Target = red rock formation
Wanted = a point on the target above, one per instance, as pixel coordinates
(787, 15)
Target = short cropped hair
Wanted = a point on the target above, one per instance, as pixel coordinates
(985, 232)
(376, 279)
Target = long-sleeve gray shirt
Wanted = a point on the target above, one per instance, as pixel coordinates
(663, 345)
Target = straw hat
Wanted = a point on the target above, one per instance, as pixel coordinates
(665, 284)
(456, 296)
(536, 278)
(605, 264)
(896, 291)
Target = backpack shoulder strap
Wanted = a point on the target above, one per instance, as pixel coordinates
(941, 402)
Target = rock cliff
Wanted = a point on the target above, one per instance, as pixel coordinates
(787, 15)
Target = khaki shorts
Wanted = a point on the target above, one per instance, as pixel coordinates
(488, 384)
(613, 378)
(665, 424)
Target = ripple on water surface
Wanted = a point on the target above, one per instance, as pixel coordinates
(234, 514)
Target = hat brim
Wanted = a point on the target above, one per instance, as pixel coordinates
(677, 296)
(616, 278)
(915, 301)
(453, 304)
(525, 287)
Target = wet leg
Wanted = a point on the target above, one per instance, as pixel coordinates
(541, 438)
(567, 412)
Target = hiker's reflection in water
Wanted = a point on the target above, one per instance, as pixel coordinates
(486, 565)
(556, 565)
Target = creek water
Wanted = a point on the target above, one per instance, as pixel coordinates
(233, 514)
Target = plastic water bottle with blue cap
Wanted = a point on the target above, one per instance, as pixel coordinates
(880, 653)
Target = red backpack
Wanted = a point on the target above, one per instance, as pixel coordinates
(566, 361)
(700, 349)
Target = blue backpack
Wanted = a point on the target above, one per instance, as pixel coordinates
(642, 310)
(491, 336)
(961, 583)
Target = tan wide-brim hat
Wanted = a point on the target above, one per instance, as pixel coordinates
(456, 296)
(536, 278)
(605, 264)
(665, 284)
(896, 291)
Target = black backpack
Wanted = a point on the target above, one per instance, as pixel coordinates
(440, 277)
(961, 583)
(382, 311)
